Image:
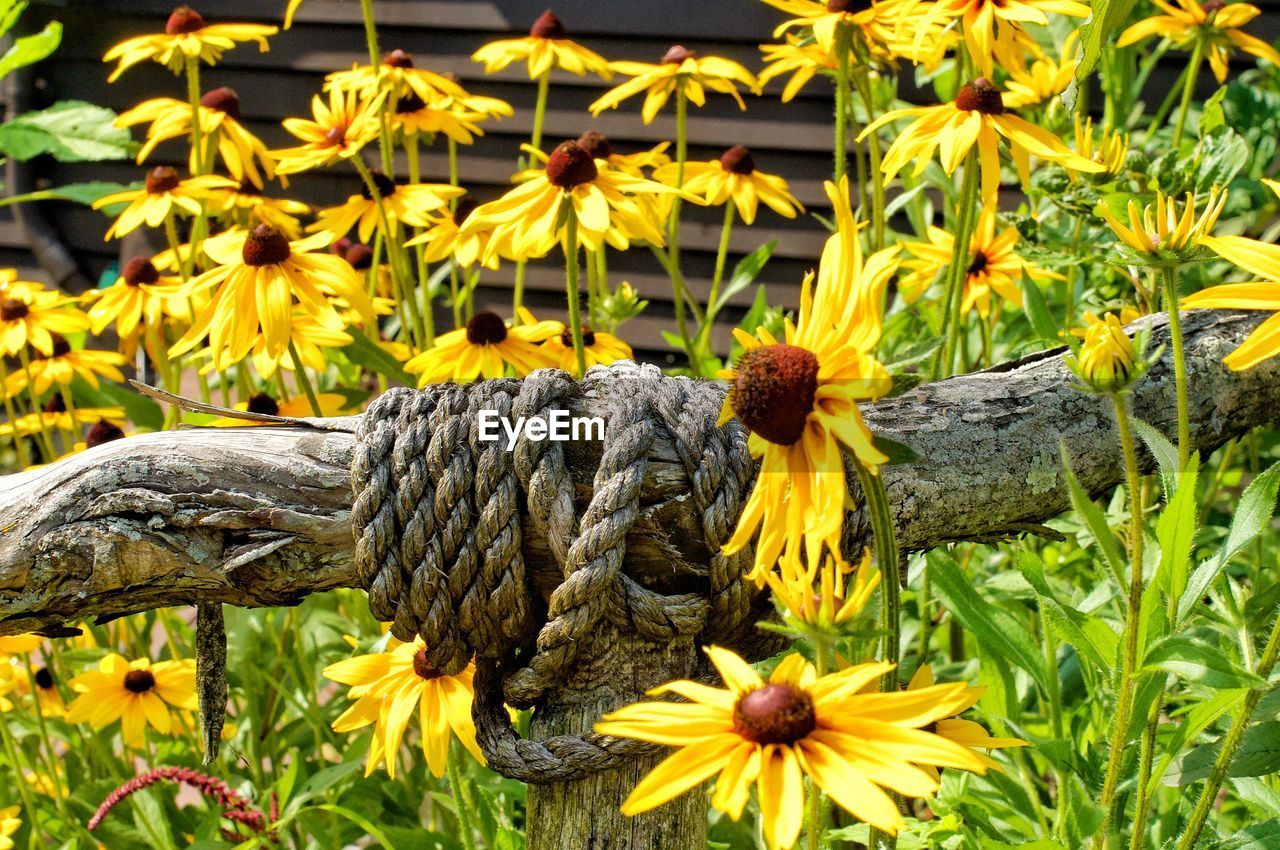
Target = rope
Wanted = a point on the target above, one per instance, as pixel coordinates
(437, 516)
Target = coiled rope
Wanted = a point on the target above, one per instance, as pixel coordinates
(437, 517)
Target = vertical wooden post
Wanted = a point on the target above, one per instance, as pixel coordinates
(584, 814)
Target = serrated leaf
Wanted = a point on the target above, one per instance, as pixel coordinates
(1090, 636)
(1259, 836)
(1095, 521)
(70, 131)
(1258, 755)
(1198, 664)
(30, 49)
(1162, 450)
(1105, 23)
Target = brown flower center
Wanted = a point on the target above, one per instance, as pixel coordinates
(385, 185)
(359, 256)
(774, 714)
(13, 309)
(102, 432)
(162, 179)
(264, 404)
(55, 404)
(140, 270)
(224, 100)
(676, 55)
(139, 681)
(596, 143)
(184, 20)
(571, 165)
(978, 264)
(486, 328)
(247, 188)
(774, 390)
(409, 103)
(466, 206)
(981, 95)
(849, 6)
(61, 348)
(1211, 6)
(265, 246)
(423, 667)
(44, 679)
(398, 59)
(335, 137)
(588, 337)
(548, 26)
(738, 160)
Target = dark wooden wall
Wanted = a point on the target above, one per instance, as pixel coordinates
(792, 139)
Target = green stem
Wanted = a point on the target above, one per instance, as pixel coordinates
(375, 59)
(878, 223)
(842, 101)
(1145, 757)
(1170, 276)
(1127, 685)
(1188, 91)
(416, 329)
(703, 341)
(34, 836)
(25, 359)
(193, 97)
(679, 290)
(966, 216)
(571, 289)
(300, 372)
(12, 415)
(460, 802)
(1053, 702)
(1231, 745)
(540, 111)
(813, 819)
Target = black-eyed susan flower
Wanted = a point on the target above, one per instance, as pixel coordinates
(10, 823)
(680, 70)
(994, 32)
(443, 239)
(413, 117)
(826, 597)
(331, 404)
(1215, 25)
(878, 22)
(968, 734)
(243, 154)
(388, 687)
(259, 276)
(32, 317)
(402, 203)
(598, 347)
(529, 220)
(803, 61)
(799, 399)
(397, 77)
(137, 693)
(1108, 361)
(186, 36)
(994, 265)
(163, 194)
(598, 145)
(977, 117)
(546, 46)
(134, 298)
(55, 416)
(485, 348)
(771, 734)
(733, 177)
(1159, 234)
(62, 365)
(247, 207)
(20, 644)
(310, 338)
(1045, 79)
(338, 130)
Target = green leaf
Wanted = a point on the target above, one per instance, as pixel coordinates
(1090, 636)
(744, 274)
(1258, 755)
(1106, 22)
(30, 49)
(1198, 664)
(1002, 634)
(896, 452)
(1037, 310)
(1162, 450)
(10, 11)
(1176, 532)
(360, 821)
(1259, 836)
(142, 411)
(1212, 116)
(1204, 715)
(365, 352)
(1254, 511)
(70, 131)
(1096, 522)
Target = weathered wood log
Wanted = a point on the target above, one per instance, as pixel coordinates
(261, 517)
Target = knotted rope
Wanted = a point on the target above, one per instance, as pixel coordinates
(437, 514)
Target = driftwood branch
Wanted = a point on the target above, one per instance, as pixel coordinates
(261, 516)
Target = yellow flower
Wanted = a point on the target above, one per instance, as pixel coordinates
(771, 734)
(1045, 79)
(414, 117)
(137, 693)
(9, 824)
(993, 32)
(163, 194)
(599, 348)
(396, 77)
(546, 46)
(803, 61)
(976, 117)
(733, 177)
(311, 338)
(877, 22)
(993, 265)
(1107, 361)
(331, 404)
(135, 297)
(220, 128)
(484, 349)
(1158, 234)
(55, 415)
(258, 275)
(1110, 150)
(185, 36)
(388, 686)
(679, 69)
(19, 677)
(966, 733)
(31, 317)
(529, 221)
(1259, 258)
(63, 364)
(799, 398)
(1215, 24)
(247, 207)
(598, 145)
(841, 593)
(403, 203)
(443, 239)
(339, 130)
(19, 644)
